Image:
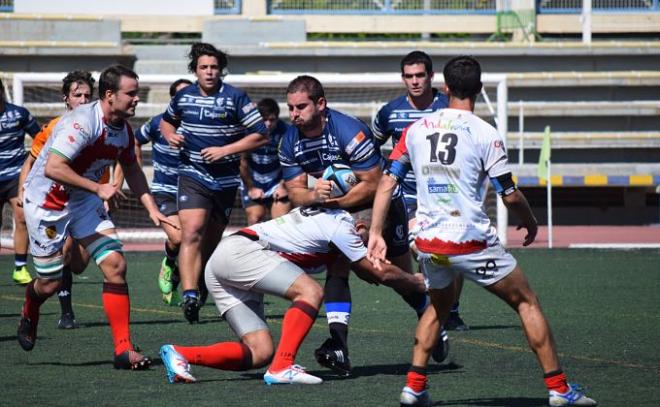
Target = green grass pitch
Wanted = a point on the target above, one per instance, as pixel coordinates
(604, 307)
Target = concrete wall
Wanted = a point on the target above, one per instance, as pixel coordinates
(125, 7)
(175, 16)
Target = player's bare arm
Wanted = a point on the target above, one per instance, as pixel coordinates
(517, 203)
(247, 143)
(169, 132)
(137, 182)
(389, 275)
(252, 191)
(301, 195)
(362, 193)
(58, 168)
(377, 248)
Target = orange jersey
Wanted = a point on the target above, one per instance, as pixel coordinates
(43, 135)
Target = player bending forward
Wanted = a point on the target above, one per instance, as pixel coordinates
(63, 197)
(453, 153)
(268, 258)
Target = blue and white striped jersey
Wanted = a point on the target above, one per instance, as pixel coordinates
(345, 140)
(165, 158)
(264, 162)
(208, 121)
(15, 121)
(393, 118)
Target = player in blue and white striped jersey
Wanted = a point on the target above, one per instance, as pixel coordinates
(165, 160)
(421, 99)
(320, 137)
(213, 123)
(15, 121)
(263, 189)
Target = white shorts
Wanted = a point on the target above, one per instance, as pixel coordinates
(48, 229)
(484, 267)
(241, 270)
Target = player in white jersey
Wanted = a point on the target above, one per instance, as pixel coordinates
(453, 154)
(269, 257)
(63, 197)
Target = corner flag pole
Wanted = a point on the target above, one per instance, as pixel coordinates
(545, 172)
(549, 190)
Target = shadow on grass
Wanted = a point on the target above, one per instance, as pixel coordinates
(396, 370)
(154, 322)
(490, 327)
(327, 375)
(495, 402)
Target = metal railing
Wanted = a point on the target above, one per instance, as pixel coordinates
(575, 6)
(227, 6)
(398, 7)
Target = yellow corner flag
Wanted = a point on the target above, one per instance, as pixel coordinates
(544, 157)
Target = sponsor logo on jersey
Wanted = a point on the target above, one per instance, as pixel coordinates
(436, 188)
(249, 107)
(330, 157)
(438, 169)
(214, 114)
(71, 138)
(359, 138)
(8, 125)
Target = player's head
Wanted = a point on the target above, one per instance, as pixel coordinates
(270, 112)
(77, 88)
(118, 89)
(208, 64)
(177, 85)
(417, 73)
(305, 98)
(463, 78)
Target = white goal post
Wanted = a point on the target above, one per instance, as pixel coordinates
(358, 94)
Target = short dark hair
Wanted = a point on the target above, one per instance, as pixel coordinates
(463, 77)
(199, 49)
(111, 76)
(268, 107)
(77, 77)
(418, 57)
(176, 84)
(307, 84)
(2, 93)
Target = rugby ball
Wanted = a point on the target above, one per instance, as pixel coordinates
(342, 177)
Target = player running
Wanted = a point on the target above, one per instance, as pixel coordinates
(453, 153)
(269, 258)
(77, 88)
(165, 160)
(15, 121)
(216, 122)
(63, 197)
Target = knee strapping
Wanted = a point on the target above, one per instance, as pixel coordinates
(103, 247)
(49, 268)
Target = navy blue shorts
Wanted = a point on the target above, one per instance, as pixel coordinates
(396, 230)
(192, 195)
(8, 190)
(166, 203)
